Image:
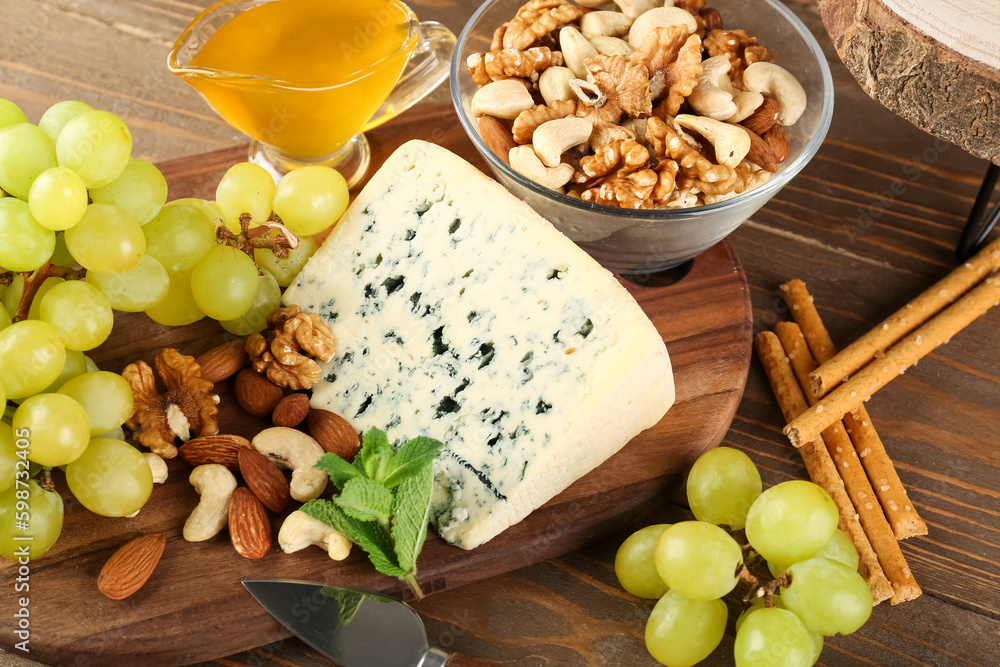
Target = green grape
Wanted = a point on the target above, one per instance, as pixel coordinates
(285, 270)
(634, 564)
(61, 256)
(791, 521)
(24, 244)
(106, 398)
(106, 240)
(34, 311)
(56, 116)
(57, 199)
(76, 364)
(310, 199)
(25, 152)
(96, 145)
(140, 189)
(839, 548)
(682, 632)
(760, 603)
(721, 486)
(143, 286)
(58, 426)
(110, 478)
(79, 313)
(267, 298)
(10, 114)
(773, 638)
(224, 283)
(5, 319)
(179, 236)
(30, 512)
(113, 434)
(698, 560)
(178, 307)
(13, 294)
(91, 366)
(209, 208)
(828, 597)
(8, 456)
(245, 188)
(31, 357)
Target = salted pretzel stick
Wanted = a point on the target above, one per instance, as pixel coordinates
(819, 465)
(882, 473)
(913, 348)
(832, 372)
(859, 489)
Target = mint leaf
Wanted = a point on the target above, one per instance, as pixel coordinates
(411, 459)
(365, 500)
(410, 516)
(339, 470)
(369, 536)
(376, 453)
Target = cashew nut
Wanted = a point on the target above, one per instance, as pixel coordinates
(553, 84)
(576, 49)
(661, 17)
(747, 102)
(524, 161)
(610, 24)
(299, 530)
(504, 99)
(731, 142)
(157, 466)
(555, 137)
(215, 484)
(293, 450)
(636, 8)
(713, 96)
(611, 46)
(777, 82)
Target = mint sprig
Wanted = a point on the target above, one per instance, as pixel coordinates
(384, 501)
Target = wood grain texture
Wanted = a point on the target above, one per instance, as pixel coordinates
(871, 222)
(932, 63)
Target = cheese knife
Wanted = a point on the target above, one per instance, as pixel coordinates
(352, 627)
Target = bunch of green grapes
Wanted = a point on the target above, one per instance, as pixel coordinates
(689, 566)
(219, 256)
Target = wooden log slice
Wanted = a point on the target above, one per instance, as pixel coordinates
(932, 62)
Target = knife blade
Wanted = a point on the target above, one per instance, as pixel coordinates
(352, 627)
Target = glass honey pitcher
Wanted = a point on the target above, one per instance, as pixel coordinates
(305, 78)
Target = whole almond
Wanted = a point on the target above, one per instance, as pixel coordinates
(763, 117)
(711, 17)
(256, 394)
(129, 567)
(249, 527)
(264, 479)
(223, 449)
(224, 361)
(333, 433)
(497, 135)
(760, 153)
(777, 139)
(291, 410)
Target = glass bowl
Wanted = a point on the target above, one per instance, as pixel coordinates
(645, 241)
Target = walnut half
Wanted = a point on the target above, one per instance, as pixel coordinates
(187, 407)
(278, 352)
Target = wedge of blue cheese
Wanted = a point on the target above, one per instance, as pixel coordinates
(461, 314)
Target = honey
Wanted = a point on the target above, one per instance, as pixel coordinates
(305, 75)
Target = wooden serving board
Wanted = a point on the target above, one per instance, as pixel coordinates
(194, 608)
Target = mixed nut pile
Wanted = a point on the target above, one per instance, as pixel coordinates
(270, 370)
(638, 106)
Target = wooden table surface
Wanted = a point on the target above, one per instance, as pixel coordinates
(871, 222)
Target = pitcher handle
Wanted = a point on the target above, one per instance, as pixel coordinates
(427, 68)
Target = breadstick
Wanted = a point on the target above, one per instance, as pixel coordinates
(913, 348)
(844, 456)
(833, 371)
(891, 493)
(819, 465)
